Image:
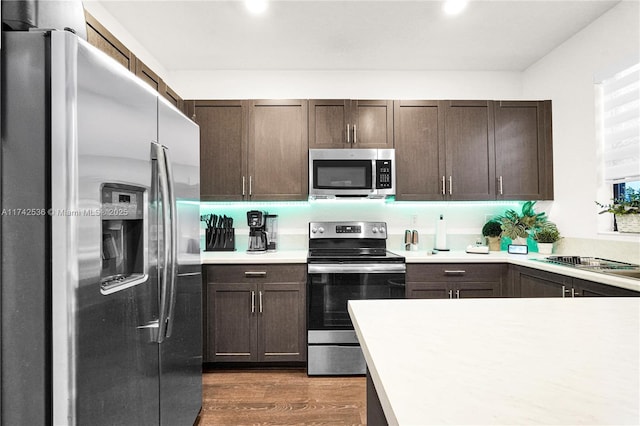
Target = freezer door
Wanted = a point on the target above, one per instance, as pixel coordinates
(105, 351)
(181, 348)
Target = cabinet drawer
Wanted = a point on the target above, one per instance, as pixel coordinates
(455, 272)
(255, 273)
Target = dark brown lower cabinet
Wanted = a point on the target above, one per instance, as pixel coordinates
(455, 280)
(530, 282)
(585, 288)
(255, 313)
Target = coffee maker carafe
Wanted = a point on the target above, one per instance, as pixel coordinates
(256, 220)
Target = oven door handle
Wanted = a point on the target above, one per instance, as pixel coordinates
(360, 268)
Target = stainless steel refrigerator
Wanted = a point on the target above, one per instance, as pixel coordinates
(101, 278)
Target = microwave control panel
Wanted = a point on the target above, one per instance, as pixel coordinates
(383, 174)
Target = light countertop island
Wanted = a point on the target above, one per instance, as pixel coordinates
(503, 361)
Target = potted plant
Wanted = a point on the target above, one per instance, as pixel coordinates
(626, 210)
(492, 230)
(518, 225)
(546, 235)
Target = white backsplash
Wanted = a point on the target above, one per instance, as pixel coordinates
(624, 251)
(464, 223)
(464, 219)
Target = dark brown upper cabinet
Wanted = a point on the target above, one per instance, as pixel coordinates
(223, 148)
(278, 150)
(343, 123)
(420, 153)
(473, 150)
(171, 96)
(444, 150)
(252, 150)
(100, 37)
(524, 151)
(469, 145)
(103, 39)
(147, 75)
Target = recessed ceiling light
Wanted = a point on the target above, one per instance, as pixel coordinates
(453, 7)
(256, 6)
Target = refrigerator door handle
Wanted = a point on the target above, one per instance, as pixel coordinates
(173, 265)
(159, 154)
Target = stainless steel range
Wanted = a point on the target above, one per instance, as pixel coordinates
(346, 261)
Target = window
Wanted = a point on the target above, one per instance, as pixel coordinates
(621, 125)
(620, 112)
(625, 191)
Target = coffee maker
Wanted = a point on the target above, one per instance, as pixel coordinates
(256, 220)
(263, 231)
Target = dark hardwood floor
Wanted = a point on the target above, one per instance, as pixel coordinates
(281, 397)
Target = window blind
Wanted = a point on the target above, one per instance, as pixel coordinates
(621, 122)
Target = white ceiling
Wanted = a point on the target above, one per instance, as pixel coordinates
(353, 35)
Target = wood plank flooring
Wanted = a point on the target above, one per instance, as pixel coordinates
(281, 397)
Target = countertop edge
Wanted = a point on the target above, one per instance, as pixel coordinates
(529, 261)
(389, 414)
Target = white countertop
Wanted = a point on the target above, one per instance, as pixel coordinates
(300, 256)
(503, 361)
(242, 257)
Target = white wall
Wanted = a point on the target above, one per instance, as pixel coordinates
(566, 76)
(347, 84)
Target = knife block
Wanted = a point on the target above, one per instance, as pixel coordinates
(220, 239)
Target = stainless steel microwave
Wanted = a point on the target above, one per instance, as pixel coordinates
(367, 173)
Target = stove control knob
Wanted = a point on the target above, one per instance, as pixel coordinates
(321, 230)
(314, 230)
(382, 230)
(374, 230)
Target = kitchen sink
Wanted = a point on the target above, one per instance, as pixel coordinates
(625, 273)
(596, 264)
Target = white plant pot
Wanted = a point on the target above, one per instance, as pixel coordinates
(628, 222)
(545, 248)
(519, 241)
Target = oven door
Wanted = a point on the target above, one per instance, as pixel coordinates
(331, 286)
(333, 347)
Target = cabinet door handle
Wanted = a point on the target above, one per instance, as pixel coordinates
(243, 185)
(450, 184)
(355, 135)
(444, 186)
(454, 271)
(500, 184)
(564, 291)
(450, 294)
(348, 134)
(253, 302)
(260, 300)
(250, 186)
(457, 294)
(255, 274)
